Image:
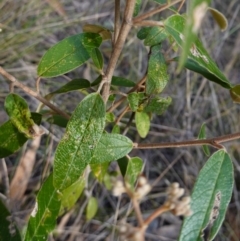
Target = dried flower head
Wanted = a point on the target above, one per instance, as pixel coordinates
(118, 188)
(143, 187)
(176, 205)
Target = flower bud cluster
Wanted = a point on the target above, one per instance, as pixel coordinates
(130, 233)
(178, 206)
(118, 188)
(142, 188)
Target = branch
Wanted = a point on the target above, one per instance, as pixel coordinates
(149, 23)
(31, 92)
(215, 142)
(116, 20)
(125, 28)
(154, 11)
(155, 214)
(116, 104)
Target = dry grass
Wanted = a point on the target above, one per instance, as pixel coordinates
(30, 27)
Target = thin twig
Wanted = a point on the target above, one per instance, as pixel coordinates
(37, 84)
(149, 23)
(125, 28)
(215, 142)
(5, 178)
(180, 7)
(154, 11)
(126, 109)
(117, 20)
(113, 107)
(155, 214)
(128, 124)
(31, 92)
(138, 212)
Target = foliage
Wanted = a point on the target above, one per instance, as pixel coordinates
(87, 141)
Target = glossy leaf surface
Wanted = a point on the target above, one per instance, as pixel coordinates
(68, 54)
(58, 120)
(43, 217)
(75, 84)
(120, 81)
(198, 58)
(97, 58)
(143, 32)
(111, 147)
(196, 13)
(10, 137)
(123, 163)
(8, 229)
(116, 81)
(210, 198)
(157, 76)
(92, 28)
(83, 132)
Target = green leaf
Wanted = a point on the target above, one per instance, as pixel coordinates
(58, 120)
(160, 1)
(137, 7)
(8, 230)
(10, 137)
(157, 105)
(219, 18)
(219, 78)
(68, 54)
(196, 13)
(97, 81)
(123, 163)
(44, 215)
(100, 170)
(211, 196)
(157, 76)
(76, 148)
(198, 58)
(135, 100)
(155, 36)
(134, 168)
(20, 116)
(75, 84)
(107, 180)
(117, 81)
(92, 28)
(120, 81)
(116, 129)
(143, 32)
(97, 58)
(71, 194)
(235, 93)
(92, 208)
(142, 123)
(202, 135)
(110, 117)
(111, 147)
